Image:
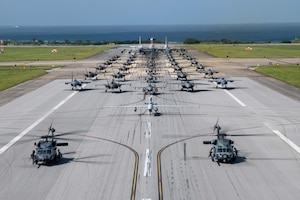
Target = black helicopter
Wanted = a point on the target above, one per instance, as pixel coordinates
(46, 150)
(223, 149)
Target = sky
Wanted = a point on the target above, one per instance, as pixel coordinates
(143, 12)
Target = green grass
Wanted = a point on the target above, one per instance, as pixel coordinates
(14, 75)
(258, 51)
(287, 73)
(46, 54)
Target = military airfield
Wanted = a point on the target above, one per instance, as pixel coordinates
(118, 152)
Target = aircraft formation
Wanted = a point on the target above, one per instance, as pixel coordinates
(155, 71)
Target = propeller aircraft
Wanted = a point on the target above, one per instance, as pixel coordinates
(151, 107)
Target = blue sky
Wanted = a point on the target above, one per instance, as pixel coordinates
(142, 12)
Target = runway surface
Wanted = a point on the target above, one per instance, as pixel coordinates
(117, 153)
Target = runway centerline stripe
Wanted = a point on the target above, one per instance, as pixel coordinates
(13, 141)
(235, 98)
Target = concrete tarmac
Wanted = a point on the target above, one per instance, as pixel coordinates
(113, 151)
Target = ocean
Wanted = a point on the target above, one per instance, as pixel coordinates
(174, 33)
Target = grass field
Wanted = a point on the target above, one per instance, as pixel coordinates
(255, 50)
(50, 53)
(14, 75)
(287, 73)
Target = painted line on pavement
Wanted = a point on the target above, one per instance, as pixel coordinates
(148, 163)
(284, 138)
(13, 141)
(235, 98)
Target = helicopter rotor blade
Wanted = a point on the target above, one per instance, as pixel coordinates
(50, 127)
(62, 144)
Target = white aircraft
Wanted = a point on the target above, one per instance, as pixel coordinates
(151, 107)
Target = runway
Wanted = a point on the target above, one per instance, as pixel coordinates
(117, 153)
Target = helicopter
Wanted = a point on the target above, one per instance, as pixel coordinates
(223, 149)
(46, 150)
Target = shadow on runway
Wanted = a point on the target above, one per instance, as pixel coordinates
(86, 159)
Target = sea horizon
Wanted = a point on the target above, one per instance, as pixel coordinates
(256, 32)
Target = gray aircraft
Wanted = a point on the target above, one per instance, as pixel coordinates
(200, 67)
(76, 83)
(208, 73)
(223, 149)
(91, 75)
(150, 89)
(181, 75)
(151, 107)
(151, 78)
(119, 75)
(220, 82)
(101, 68)
(177, 68)
(46, 150)
(124, 68)
(112, 85)
(187, 85)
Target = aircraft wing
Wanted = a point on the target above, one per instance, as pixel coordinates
(128, 106)
(68, 82)
(174, 106)
(85, 81)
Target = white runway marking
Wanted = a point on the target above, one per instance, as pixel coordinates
(284, 138)
(148, 131)
(148, 163)
(288, 141)
(235, 98)
(13, 141)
